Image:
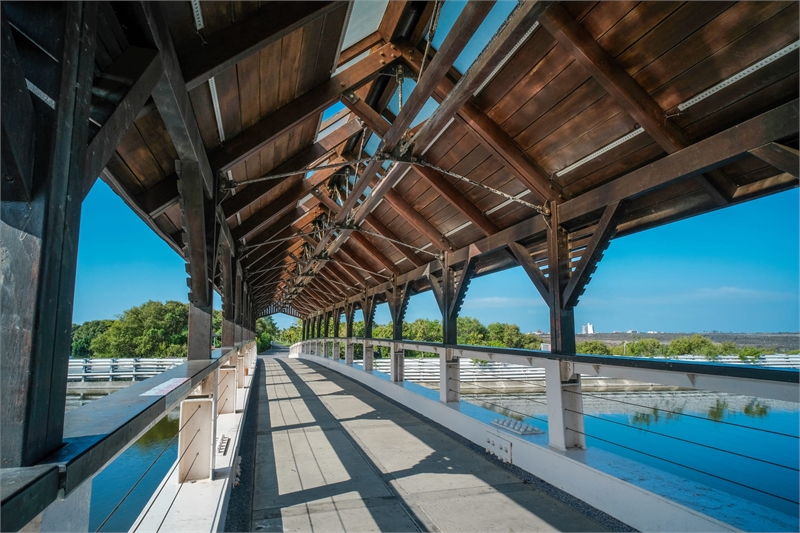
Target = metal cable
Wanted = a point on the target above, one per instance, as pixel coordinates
(683, 466)
(146, 471)
(681, 439)
(359, 268)
(171, 470)
(542, 210)
(180, 486)
(362, 230)
(269, 177)
(437, 9)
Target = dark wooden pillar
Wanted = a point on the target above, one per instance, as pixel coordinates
(326, 325)
(349, 315)
(237, 304)
(562, 317)
(228, 325)
(337, 314)
(398, 304)
(44, 178)
(368, 309)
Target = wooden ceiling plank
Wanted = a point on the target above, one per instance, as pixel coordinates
(142, 67)
(713, 152)
(301, 108)
(258, 30)
(625, 90)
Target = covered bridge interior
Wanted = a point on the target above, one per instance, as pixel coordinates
(312, 158)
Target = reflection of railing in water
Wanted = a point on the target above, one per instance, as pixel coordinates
(102, 369)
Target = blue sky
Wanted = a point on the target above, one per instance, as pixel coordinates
(735, 269)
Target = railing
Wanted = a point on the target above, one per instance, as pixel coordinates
(97, 432)
(101, 369)
(552, 391)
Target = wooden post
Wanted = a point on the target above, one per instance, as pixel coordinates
(39, 235)
(398, 304)
(228, 324)
(349, 315)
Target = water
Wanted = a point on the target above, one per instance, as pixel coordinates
(111, 485)
(679, 435)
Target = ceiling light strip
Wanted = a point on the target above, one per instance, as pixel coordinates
(212, 84)
(601, 151)
(507, 202)
(739, 75)
(462, 226)
(198, 15)
(508, 56)
(441, 132)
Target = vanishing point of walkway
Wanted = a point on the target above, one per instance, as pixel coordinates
(333, 456)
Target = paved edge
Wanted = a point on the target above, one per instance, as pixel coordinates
(240, 504)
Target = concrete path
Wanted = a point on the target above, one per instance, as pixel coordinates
(333, 456)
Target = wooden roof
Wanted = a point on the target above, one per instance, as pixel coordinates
(575, 78)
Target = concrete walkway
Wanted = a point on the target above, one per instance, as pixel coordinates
(333, 456)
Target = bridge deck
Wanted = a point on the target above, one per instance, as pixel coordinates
(333, 456)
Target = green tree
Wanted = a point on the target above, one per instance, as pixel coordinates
(593, 347)
(694, 345)
(84, 334)
(646, 348)
(290, 335)
(471, 331)
(153, 329)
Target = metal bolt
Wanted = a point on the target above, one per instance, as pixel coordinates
(8, 177)
(383, 62)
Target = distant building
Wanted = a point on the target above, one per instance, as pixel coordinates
(588, 329)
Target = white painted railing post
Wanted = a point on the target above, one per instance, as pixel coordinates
(348, 352)
(337, 350)
(449, 382)
(240, 365)
(398, 360)
(369, 355)
(564, 405)
(226, 387)
(196, 439)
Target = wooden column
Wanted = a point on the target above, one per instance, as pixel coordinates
(228, 324)
(398, 304)
(40, 226)
(349, 313)
(562, 318)
(237, 304)
(337, 315)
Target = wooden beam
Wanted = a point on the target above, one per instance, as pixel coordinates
(259, 29)
(602, 235)
(407, 211)
(310, 157)
(784, 158)
(372, 222)
(494, 139)
(18, 125)
(504, 42)
(713, 152)
(457, 38)
(562, 317)
(457, 200)
(172, 100)
(532, 270)
(141, 69)
(371, 40)
(193, 212)
(310, 103)
(621, 86)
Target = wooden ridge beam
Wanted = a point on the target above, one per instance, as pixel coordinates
(259, 29)
(310, 103)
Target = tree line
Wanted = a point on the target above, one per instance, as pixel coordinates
(694, 345)
(153, 329)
